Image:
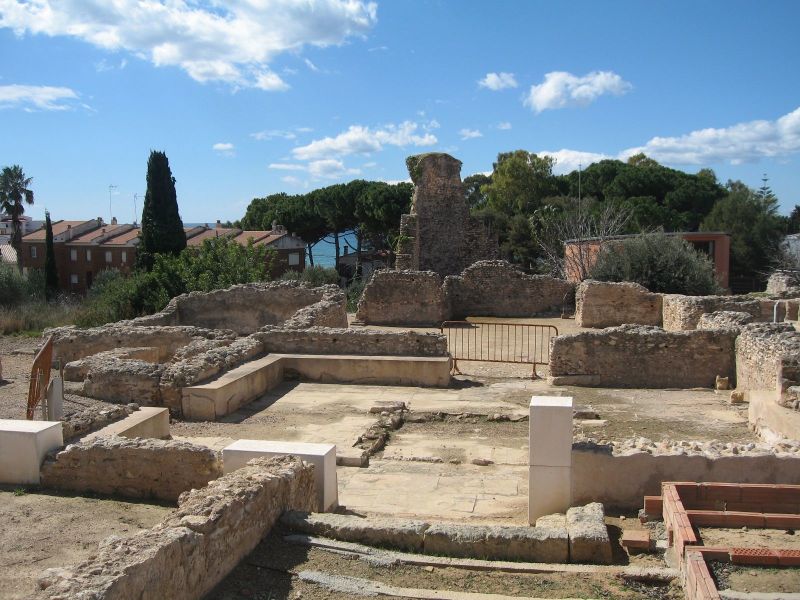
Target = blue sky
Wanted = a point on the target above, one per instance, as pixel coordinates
(252, 97)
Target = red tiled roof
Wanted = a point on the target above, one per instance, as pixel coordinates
(59, 227)
(197, 240)
(97, 234)
(123, 238)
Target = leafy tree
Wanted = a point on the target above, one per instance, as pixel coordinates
(794, 220)
(473, 186)
(50, 267)
(520, 180)
(15, 192)
(378, 210)
(754, 224)
(162, 228)
(642, 160)
(659, 262)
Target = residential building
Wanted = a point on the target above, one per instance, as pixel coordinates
(27, 224)
(34, 246)
(582, 253)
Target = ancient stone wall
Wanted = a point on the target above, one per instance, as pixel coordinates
(633, 356)
(724, 319)
(608, 304)
(243, 308)
(192, 550)
(486, 288)
(77, 423)
(498, 289)
(407, 298)
(763, 352)
(440, 235)
(132, 467)
(682, 313)
(781, 282)
(368, 342)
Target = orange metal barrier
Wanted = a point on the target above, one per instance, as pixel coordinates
(40, 377)
(484, 341)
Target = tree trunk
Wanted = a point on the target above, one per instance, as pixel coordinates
(357, 274)
(16, 235)
(310, 255)
(336, 244)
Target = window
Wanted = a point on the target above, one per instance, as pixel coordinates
(124, 257)
(108, 256)
(88, 255)
(33, 251)
(73, 255)
(294, 259)
(73, 279)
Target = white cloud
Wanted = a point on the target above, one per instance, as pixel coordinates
(287, 167)
(291, 180)
(468, 134)
(311, 65)
(330, 168)
(224, 148)
(741, 143)
(231, 42)
(36, 97)
(102, 65)
(271, 134)
(504, 126)
(561, 89)
(498, 81)
(363, 140)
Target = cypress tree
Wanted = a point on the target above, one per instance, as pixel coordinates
(162, 228)
(50, 267)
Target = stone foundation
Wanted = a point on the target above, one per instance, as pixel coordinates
(192, 550)
(487, 288)
(608, 304)
(765, 358)
(682, 313)
(632, 356)
(724, 319)
(784, 282)
(79, 423)
(132, 468)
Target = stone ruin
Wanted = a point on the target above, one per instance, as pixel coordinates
(440, 235)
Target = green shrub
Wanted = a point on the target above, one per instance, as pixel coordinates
(661, 263)
(35, 284)
(354, 292)
(313, 276)
(13, 286)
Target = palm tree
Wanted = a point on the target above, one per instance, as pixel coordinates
(14, 189)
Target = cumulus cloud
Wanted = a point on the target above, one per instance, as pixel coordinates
(498, 81)
(364, 140)
(561, 89)
(468, 134)
(37, 97)
(224, 148)
(740, 143)
(231, 42)
(330, 168)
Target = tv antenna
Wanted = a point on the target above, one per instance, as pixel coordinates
(111, 189)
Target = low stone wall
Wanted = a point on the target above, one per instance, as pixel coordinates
(497, 289)
(724, 319)
(367, 342)
(132, 467)
(242, 308)
(682, 313)
(633, 356)
(487, 288)
(763, 352)
(621, 481)
(78, 423)
(781, 282)
(608, 304)
(192, 550)
(405, 298)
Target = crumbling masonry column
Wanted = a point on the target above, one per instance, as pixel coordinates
(550, 456)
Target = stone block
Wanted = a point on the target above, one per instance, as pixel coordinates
(588, 534)
(550, 490)
(147, 422)
(322, 456)
(23, 446)
(550, 431)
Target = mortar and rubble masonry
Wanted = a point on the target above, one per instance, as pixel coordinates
(193, 549)
(602, 304)
(580, 536)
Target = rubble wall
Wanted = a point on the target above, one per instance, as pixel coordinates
(634, 356)
(406, 298)
(608, 304)
(192, 550)
(782, 282)
(682, 313)
(763, 352)
(368, 342)
(242, 308)
(132, 467)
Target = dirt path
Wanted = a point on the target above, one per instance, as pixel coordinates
(42, 530)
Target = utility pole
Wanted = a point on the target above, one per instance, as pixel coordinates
(111, 189)
(579, 185)
(135, 212)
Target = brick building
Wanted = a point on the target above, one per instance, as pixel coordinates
(85, 248)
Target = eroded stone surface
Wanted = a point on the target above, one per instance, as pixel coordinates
(588, 535)
(608, 304)
(681, 313)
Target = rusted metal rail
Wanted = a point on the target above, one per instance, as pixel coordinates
(485, 341)
(40, 377)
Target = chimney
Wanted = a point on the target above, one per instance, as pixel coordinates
(113, 220)
(69, 232)
(219, 224)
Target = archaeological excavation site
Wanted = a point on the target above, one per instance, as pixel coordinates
(470, 432)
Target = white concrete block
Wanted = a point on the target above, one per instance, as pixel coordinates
(322, 456)
(550, 425)
(550, 491)
(23, 445)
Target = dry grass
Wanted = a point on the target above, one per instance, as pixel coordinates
(30, 318)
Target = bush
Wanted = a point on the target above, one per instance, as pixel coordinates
(313, 276)
(661, 263)
(13, 286)
(354, 292)
(35, 284)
